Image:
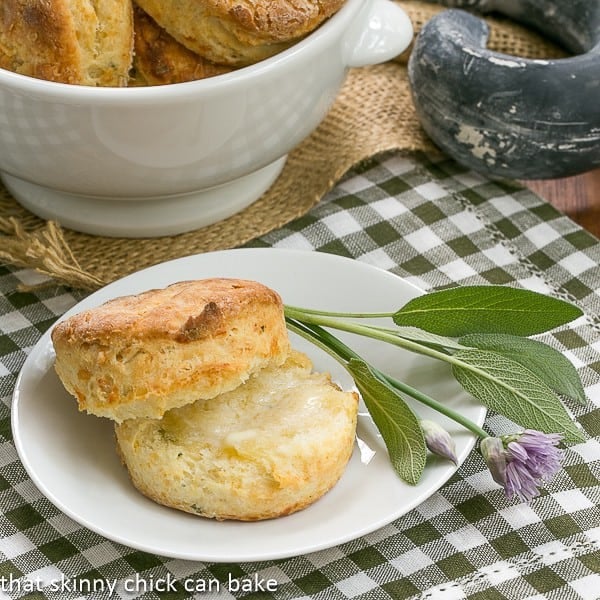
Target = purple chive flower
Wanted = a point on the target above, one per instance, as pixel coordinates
(523, 462)
(438, 440)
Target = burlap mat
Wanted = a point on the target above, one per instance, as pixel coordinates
(372, 114)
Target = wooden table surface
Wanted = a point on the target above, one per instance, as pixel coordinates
(578, 197)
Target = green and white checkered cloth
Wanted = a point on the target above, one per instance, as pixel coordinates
(435, 224)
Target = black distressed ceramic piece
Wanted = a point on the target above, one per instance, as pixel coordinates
(508, 116)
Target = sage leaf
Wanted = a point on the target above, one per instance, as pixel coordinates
(398, 425)
(509, 388)
(485, 309)
(427, 338)
(547, 362)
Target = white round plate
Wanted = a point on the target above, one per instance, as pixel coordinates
(71, 456)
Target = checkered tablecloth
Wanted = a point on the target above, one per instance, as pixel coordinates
(436, 225)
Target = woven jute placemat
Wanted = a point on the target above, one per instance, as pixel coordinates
(372, 114)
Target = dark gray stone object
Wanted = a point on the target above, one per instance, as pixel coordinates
(503, 115)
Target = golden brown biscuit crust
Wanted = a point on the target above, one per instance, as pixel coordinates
(160, 59)
(141, 355)
(68, 41)
(239, 32)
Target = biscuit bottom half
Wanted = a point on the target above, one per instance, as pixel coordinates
(269, 448)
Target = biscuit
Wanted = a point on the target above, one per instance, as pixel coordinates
(239, 32)
(269, 448)
(141, 355)
(69, 41)
(159, 59)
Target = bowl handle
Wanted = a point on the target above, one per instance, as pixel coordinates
(381, 31)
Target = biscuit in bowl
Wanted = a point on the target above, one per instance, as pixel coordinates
(141, 355)
(160, 59)
(269, 448)
(239, 32)
(68, 41)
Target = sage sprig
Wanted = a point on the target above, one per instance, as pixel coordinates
(482, 332)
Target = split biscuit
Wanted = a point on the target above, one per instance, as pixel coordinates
(83, 42)
(141, 355)
(160, 59)
(239, 32)
(269, 448)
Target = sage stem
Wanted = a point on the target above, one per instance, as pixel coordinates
(373, 332)
(332, 313)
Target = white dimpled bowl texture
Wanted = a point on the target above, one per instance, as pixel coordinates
(152, 161)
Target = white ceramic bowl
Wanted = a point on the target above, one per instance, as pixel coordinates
(161, 160)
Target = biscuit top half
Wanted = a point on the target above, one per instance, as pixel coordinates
(184, 312)
(141, 355)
